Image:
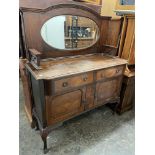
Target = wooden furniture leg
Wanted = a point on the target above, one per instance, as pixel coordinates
(116, 106)
(44, 135)
(43, 131)
(34, 123)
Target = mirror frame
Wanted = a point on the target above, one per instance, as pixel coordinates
(72, 48)
(34, 18)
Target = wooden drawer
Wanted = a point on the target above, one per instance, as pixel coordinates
(110, 72)
(72, 82)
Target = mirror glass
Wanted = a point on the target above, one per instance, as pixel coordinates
(69, 32)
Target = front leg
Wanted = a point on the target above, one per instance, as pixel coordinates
(116, 106)
(44, 135)
(34, 122)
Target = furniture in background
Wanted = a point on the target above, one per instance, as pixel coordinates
(127, 42)
(111, 44)
(127, 51)
(65, 75)
(127, 93)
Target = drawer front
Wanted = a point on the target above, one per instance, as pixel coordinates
(72, 82)
(110, 72)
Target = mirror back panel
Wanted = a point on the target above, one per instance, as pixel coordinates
(35, 22)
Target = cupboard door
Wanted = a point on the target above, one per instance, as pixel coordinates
(108, 90)
(65, 106)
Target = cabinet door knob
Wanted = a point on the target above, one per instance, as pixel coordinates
(117, 70)
(65, 84)
(85, 78)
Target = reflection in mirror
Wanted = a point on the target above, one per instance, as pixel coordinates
(70, 32)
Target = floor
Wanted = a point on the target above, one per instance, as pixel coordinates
(97, 132)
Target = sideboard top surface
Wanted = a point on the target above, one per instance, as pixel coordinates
(56, 68)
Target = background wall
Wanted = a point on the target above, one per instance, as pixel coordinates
(108, 7)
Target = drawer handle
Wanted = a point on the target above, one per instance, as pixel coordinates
(117, 70)
(65, 84)
(85, 78)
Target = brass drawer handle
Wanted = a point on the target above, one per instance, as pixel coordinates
(65, 84)
(117, 70)
(85, 78)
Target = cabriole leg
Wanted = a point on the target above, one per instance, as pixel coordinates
(37, 126)
(33, 123)
(116, 107)
(44, 138)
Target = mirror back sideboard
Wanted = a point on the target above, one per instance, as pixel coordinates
(67, 83)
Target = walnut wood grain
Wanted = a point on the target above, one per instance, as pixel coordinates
(64, 106)
(70, 66)
(108, 89)
(110, 72)
(71, 82)
(34, 15)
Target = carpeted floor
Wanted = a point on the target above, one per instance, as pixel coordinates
(97, 132)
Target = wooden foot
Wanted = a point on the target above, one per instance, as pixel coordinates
(45, 146)
(44, 138)
(37, 126)
(115, 108)
(46, 151)
(33, 123)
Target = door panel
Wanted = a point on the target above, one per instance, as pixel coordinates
(65, 106)
(108, 90)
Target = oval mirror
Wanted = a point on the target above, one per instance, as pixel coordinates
(67, 32)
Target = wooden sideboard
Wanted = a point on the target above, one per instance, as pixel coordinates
(65, 88)
(63, 83)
